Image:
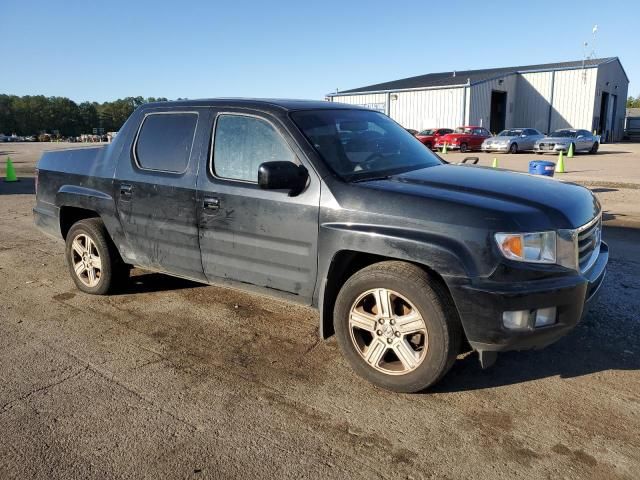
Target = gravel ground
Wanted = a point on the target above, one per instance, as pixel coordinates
(172, 379)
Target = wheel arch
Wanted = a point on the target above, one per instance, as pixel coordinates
(347, 262)
(77, 203)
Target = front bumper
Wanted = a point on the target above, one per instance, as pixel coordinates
(482, 303)
(450, 146)
(495, 148)
(556, 148)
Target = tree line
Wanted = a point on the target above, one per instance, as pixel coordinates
(36, 114)
(633, 102)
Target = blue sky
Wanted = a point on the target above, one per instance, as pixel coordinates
(298, 49)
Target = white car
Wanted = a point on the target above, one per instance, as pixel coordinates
(561, 140)
(512, 140)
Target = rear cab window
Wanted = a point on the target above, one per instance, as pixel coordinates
(165, 140)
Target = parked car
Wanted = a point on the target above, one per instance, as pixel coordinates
(632, 129)
(560, 140)
(464, 138)
(412, 131)
(512, 140)
(407, 258)
(429, 137)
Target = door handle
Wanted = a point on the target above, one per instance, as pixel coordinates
(125, 190)
(211, 204)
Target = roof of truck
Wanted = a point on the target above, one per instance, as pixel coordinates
(261, 103)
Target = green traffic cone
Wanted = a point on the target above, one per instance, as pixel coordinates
(495, 162)
(10, 176)
(444, 148)
(570, 152)
(560, 164)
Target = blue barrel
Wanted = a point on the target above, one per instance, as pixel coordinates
(542, 167)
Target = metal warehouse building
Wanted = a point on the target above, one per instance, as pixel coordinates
(588, 94)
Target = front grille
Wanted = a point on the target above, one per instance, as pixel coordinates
(588, 243)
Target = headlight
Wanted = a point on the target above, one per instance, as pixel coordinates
(539, 247)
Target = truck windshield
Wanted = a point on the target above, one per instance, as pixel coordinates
(362, 144)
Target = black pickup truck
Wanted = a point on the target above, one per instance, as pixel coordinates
(409, 260)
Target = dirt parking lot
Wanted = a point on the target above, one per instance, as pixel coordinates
(172, 379)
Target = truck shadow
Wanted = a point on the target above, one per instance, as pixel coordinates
(574, 356)
(149, 282)
(24, 186)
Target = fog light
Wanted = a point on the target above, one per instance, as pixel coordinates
(518, 320)
(529, 319)
(545, 316)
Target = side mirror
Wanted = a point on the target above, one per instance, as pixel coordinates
(283, 176)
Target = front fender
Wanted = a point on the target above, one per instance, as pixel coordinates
(445, 255)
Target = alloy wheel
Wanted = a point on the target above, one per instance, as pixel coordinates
(86, 260)
(388, 331)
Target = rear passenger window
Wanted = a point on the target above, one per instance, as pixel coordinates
(165, 141)
(242, 143)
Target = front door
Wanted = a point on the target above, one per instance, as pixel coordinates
(247, 234)
(155, 190)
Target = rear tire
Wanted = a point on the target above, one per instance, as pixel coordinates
(94, 262)
(419, 322)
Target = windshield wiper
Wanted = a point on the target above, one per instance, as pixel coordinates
(369, 179)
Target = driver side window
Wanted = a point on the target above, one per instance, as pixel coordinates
(241, 143)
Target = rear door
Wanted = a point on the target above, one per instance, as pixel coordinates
(155, 189)
(247, 234)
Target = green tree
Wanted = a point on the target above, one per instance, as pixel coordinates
(35, 114)
(633, 102)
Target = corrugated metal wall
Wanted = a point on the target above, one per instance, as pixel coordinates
(533, 96)
(374, 101)
(543, 100)
(480, 113)
(418, 109)
(610, 76)
(573, 92)
(428, 108)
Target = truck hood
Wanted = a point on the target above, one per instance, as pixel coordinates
(561, 205)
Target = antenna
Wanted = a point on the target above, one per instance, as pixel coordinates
(592, 54)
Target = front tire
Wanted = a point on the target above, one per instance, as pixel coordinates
(513, 148)
(397, 327)
(464, 148)
(94, 262)
(594, 148)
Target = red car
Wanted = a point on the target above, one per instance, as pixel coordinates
(430, 136)
(464, 138)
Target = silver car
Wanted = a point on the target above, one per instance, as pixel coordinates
(560, 140)
(512, 140)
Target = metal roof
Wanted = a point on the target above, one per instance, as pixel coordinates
(461, 77)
